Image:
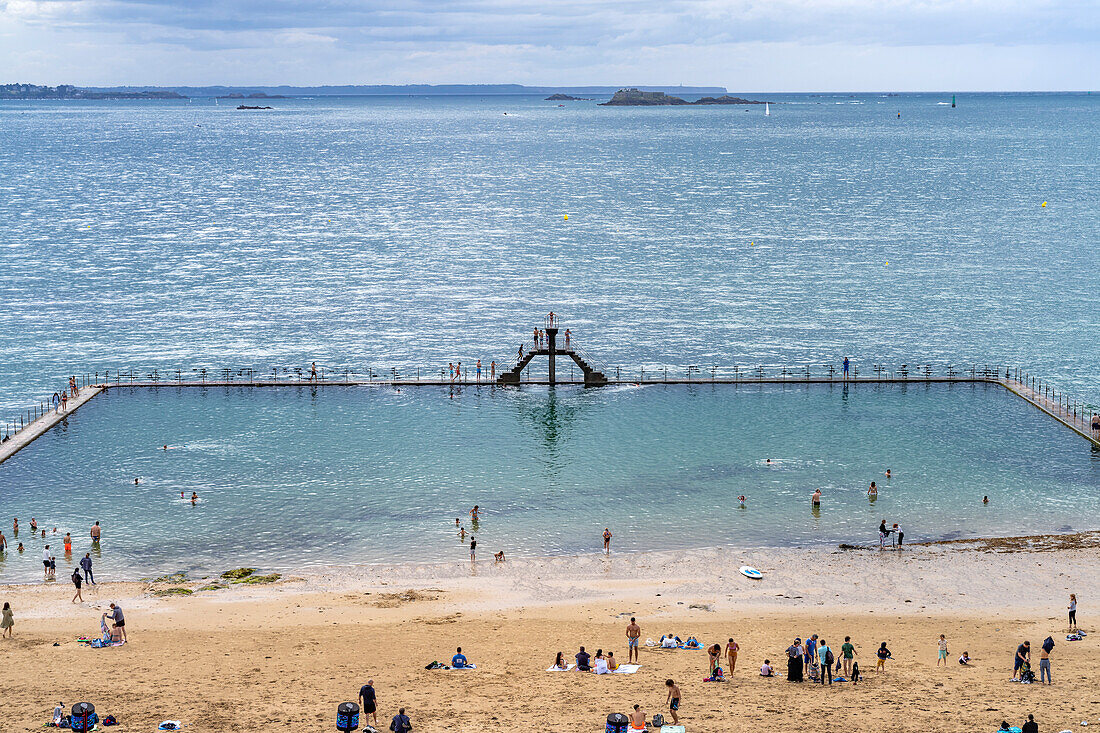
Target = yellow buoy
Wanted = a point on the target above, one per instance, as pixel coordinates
(887, 263)
(1044, 204)
(752, 244)
(567, 217)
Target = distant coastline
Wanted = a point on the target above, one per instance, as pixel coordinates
(68, 91)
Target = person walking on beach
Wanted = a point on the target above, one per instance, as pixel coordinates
(1023, 654)
(673, 700)
(607, 541)
(77, 580)
(86, 566)
(401, 722)
(942, 656)
(900, 534)
(46, 560)
(633, 633)
(7, 620)
(731, 654)
(369, 701)
(95, 534)
(1072, 611)
(883, 654)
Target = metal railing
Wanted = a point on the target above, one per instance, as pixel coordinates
(1072, 409)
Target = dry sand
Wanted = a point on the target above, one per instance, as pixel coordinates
(288, 653)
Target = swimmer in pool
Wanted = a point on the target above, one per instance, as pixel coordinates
(182, 496)
(456, 521)
(137, 481)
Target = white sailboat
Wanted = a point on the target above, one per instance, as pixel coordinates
(767, 110)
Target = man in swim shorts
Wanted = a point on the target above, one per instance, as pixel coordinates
(633, 633)
(816, 498)
(95, 533)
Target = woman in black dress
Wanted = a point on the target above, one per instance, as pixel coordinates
(794, 661)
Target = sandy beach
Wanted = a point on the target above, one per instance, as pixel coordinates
(288, 653)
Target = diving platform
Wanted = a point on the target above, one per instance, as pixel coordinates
(592, 377)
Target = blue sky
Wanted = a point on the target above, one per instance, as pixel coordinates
(745, 45)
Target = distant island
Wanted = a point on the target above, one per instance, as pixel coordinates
(566, 98)
(253, 95)
(636, 98)
(245, 106)
(68, 91)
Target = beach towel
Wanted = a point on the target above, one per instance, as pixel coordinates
(627, 669)
(673, 729)
(559, 669)
(170, 725)
(458, 669)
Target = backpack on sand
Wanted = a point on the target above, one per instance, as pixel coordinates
(658, 720)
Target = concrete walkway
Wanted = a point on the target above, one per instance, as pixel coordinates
(36, 429)
(1079, 423)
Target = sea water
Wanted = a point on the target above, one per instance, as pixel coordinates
(300, 477)
(416, 231)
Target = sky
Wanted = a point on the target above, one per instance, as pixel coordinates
(743, 45)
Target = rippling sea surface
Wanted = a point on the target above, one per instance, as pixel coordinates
(296, 477)
(372, 233)
(381, 232)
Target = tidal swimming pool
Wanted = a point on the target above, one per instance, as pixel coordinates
(298, 477)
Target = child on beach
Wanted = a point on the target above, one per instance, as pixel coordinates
(964, 660)
(766, 669)
(673, 700)
(883, 654)
(942, 651)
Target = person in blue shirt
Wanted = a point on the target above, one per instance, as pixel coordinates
(458, 661)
